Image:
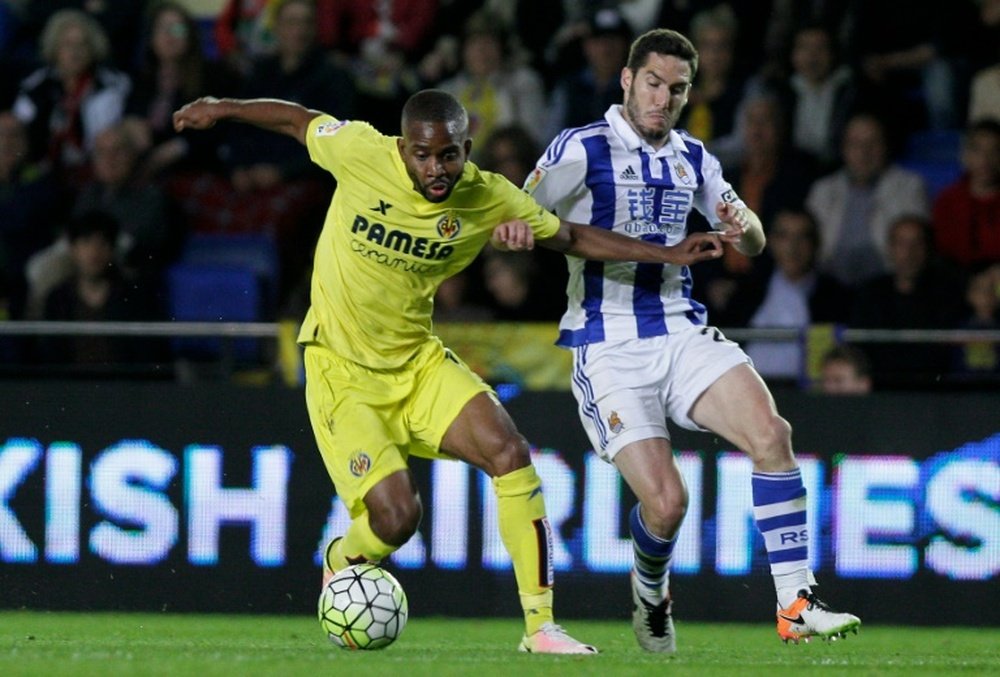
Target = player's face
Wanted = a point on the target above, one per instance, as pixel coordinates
(655, 95)
(434, 155)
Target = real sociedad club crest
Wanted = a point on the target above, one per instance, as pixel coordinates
(682, 173)
(448, 226)
(615, 423)
(360, 463)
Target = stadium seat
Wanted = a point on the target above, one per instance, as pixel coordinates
(933, 145)
(935, 155)
(936, 175)
(244, 251)
(210, 293)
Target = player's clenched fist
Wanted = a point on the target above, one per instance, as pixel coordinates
(733, 216)
(513, 236)
(199, 114)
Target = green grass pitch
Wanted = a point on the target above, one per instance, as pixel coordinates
(51, 643)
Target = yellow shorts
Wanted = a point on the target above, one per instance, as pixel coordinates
(368, 422)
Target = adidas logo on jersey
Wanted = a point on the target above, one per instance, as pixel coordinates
(628, 175)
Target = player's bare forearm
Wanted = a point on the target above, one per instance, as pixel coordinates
(591, 242)
(275, 115)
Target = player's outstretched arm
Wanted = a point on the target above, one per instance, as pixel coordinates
(275, 115)
(591, 242)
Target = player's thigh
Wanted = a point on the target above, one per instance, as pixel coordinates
(618, 389)
(698, 359)
(736, 406)
(357, 426)
(446, 388)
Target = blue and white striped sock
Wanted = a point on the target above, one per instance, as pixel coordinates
(779, 507)
(652, 559)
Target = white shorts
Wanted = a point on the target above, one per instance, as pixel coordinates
(626, 390)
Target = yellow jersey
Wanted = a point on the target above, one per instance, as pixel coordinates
(384, 248)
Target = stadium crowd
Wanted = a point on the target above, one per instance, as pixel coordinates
(871, 155)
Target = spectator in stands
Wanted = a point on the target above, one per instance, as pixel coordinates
(846, 370)
(495, 91)
(911, 73)
(242, 34)
(298, 71)
(173, 70)
(516, 292)
(584, 96)
(30, 205)
(73, 97)
(771, 173)
(770, 176)
(984, 95)
(967, 213)
(119, 20)
(455, 299)
(982, 294)
(856, 205)
(371, 27)
(148, 233)
(279, 192)
(792, 294)
(510, 151)
(984, 80)
(753, 18)
(919, 293)
(716, 93)
(382, 41)
(96, 291)
(823, 93)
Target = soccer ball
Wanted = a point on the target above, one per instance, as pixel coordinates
(363, 607)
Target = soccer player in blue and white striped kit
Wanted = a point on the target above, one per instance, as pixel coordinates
(642, 350)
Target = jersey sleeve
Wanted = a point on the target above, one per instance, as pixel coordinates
(519, 205)
(329, 139)
(714, 190)
(558, 179)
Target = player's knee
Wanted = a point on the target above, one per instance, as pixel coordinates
(509, 454)
(771, 445)
(395, 524)
(664, 514)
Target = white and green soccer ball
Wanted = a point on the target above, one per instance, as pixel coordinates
(363, 607)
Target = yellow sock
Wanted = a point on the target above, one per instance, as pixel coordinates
(525, 531)
(359, 544)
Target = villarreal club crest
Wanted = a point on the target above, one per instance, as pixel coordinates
(449, 226)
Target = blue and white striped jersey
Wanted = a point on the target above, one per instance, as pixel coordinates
(606, 175)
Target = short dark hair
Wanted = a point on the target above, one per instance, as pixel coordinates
(662, 41)
(923, 224)
(523, 143)
(983, 126)
(807, 216)
(93, 222)
(852, 355)
(436, 105)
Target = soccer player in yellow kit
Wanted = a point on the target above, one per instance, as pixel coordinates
(409, 212)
